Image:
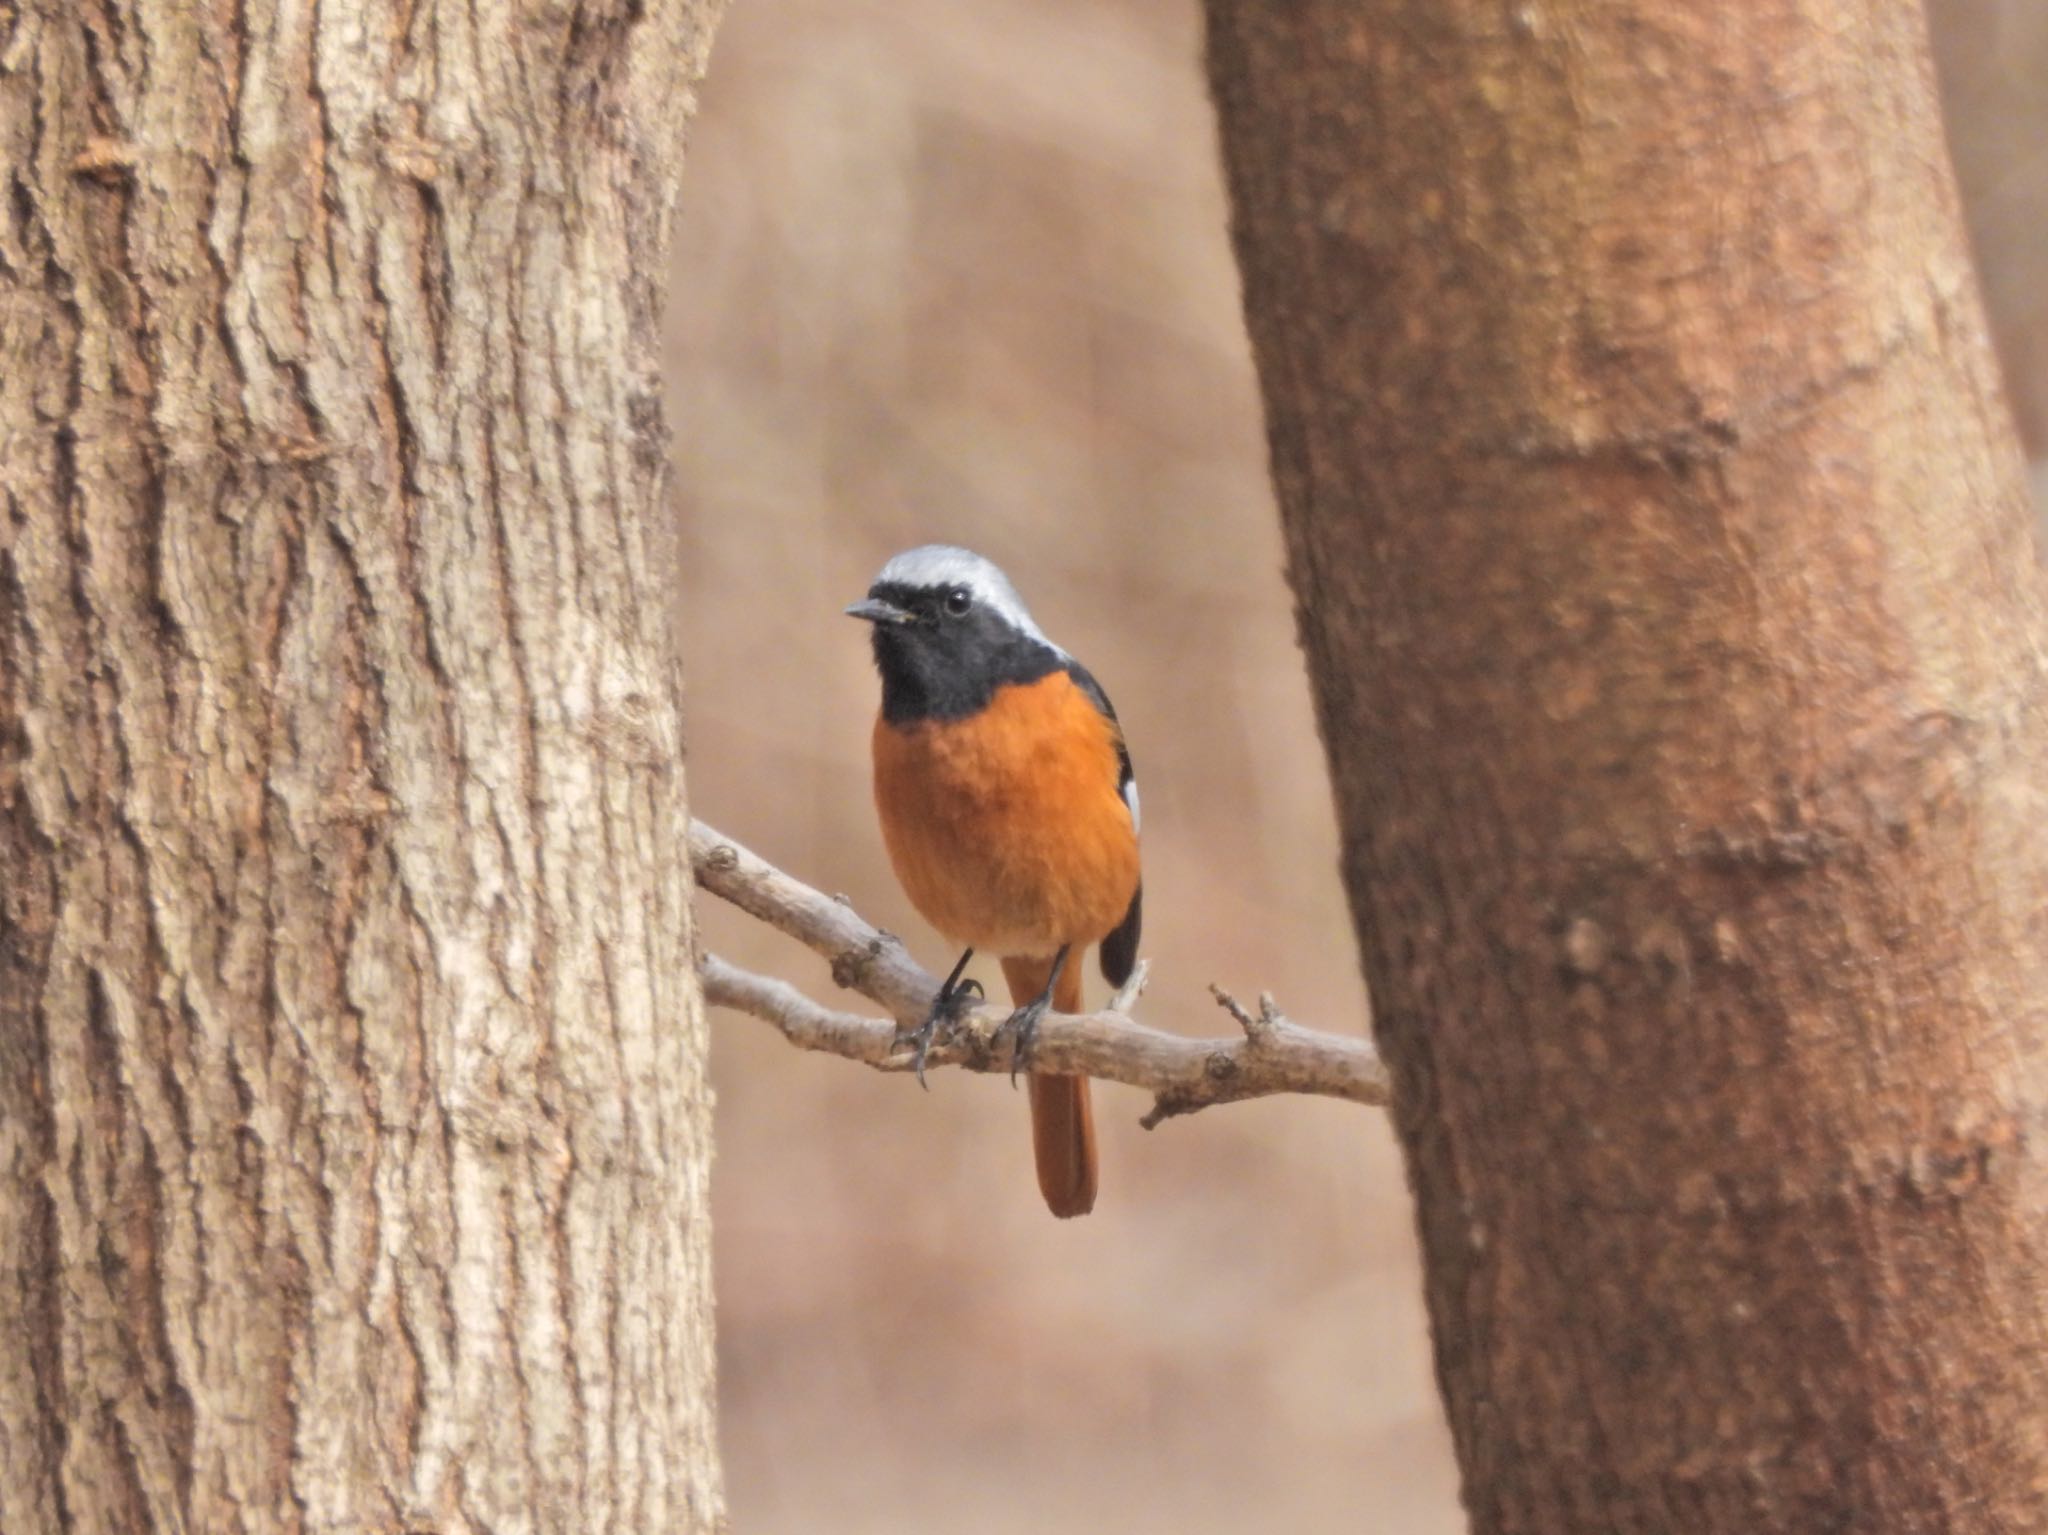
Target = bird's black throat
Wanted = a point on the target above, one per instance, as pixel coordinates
(948, 669)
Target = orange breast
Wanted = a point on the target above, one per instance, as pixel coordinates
(1006, 829)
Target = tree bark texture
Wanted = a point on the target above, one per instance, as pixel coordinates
(353, 1129)
(1665, 571)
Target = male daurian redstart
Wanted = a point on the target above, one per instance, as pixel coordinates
(1009, 811)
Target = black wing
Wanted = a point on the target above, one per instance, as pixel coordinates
(1120, 948)
(1119, 951)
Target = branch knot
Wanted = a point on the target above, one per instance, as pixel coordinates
(850, 968)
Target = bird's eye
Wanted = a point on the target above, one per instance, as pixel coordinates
(959, 600)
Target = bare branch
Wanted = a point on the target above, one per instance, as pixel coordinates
(1274, 1054)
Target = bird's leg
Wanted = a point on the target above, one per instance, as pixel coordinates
(947, 1006)
(1024, 1022)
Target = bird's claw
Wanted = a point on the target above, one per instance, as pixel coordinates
(1022, 1027)
(919, 1042)
(948, 1009)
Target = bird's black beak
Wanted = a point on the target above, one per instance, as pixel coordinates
(876, 611)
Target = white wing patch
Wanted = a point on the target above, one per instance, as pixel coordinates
(1131, 800)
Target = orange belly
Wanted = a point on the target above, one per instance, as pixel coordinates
(1007, 829)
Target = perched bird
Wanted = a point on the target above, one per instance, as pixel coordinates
(1009, 811)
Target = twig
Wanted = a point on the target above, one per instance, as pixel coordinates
(1274, 1055)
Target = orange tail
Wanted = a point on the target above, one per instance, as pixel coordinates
(1062, 1128)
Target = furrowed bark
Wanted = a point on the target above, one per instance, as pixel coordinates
(353, 1130)
(1664, 566)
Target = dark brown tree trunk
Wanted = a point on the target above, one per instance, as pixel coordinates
(353, 1130)
(1664, 567)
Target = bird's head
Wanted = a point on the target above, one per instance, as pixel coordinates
(949, 629)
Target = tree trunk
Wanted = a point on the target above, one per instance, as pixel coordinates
(1664, 567)
(353, 1130)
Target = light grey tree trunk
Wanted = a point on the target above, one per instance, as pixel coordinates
(353, 1129)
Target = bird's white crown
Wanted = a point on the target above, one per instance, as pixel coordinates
(938, 566)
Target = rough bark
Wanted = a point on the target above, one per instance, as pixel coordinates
(1664, 568)
(353, 1131)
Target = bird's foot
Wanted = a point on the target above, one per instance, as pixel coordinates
(948, 1008)
(1022, 1027)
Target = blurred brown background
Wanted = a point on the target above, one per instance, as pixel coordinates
(957, 269)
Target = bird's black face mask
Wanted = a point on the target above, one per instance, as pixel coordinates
(942, 654)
